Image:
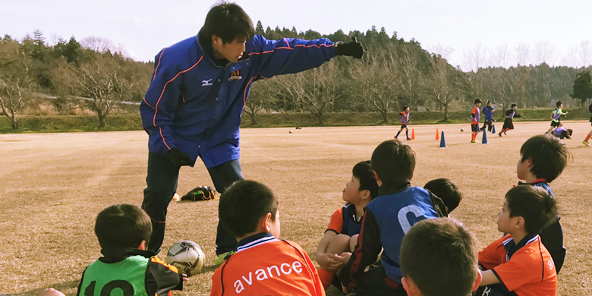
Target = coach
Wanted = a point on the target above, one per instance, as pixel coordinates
(197, 94)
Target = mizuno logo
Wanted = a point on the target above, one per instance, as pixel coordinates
(206, 82)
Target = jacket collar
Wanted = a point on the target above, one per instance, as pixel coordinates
(255, 240)
(113, 255)
(388, 189)
(512, 247)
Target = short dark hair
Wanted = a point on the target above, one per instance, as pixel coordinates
(243, 204)
(122, 226)
(477, 101)
(227, 21)
(558, 104)
(513, 105)
(488, 102)
(439, 255)
(393, 161)
(363, 171)
(548, 156)
(405, 108)
(534, 204)
(447, 191)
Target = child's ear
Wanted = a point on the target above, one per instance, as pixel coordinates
(265, 222)
(376, 176)
(477, 280)
(366, 194)
(142, 245)
(409, 286)
(519, 223)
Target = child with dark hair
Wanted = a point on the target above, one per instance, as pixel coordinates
(542, 159)
(342, 233)
(488, 112)
(404, 122)
(447, 191)
(387, 218)
(262, 264)
(475, 116)
(556, 117)
(562, 133)
(508, 122)
(585, 142)
(438, 258)
(123, 231)
(519, 263)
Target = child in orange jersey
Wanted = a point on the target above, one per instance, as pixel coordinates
(475, 117)
(262, 264)
(342, 233)
(585, 142)
(518, 263)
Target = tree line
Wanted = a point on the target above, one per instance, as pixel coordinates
(392, 74)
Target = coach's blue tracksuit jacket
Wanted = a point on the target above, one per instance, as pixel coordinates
(195, 105)
(386, 220)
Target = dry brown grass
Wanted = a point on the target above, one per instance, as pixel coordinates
(53, 186)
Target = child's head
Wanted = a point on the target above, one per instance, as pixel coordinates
(488, 103)
(447, 191)
(477, 102)
(559, 104)
(247, 207)
(543, 156)
(394, 162)
(438, 257)
(406, 108)
(529, 208)
(122, 226)
(362, 187)
(566, 134)
(514, 106)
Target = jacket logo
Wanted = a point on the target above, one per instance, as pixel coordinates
(234, 76)
(206, 82)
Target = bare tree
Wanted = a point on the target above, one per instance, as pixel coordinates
(314, 90)
(544, 52)
(442, 83)
(260, 97)
(501, 57)
(409, 77)
(584, 52)
(381, 81)
(62, 77)
(522, 51)
(103, 45)
(103, 81)
(16, 80)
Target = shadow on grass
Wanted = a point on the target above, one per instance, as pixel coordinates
(59, 286)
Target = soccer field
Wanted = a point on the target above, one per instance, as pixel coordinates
(54, 185)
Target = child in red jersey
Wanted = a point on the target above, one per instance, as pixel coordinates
(585, 142)
(262, 264)
(475, 117)
(342, 233)
(404, 122)
(518, 263)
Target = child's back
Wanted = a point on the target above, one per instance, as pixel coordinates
(264, 265)
(122, 231)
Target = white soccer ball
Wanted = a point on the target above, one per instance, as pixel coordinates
(187, 256)
(462, 129)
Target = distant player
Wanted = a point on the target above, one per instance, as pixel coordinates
(475, 115)
(562, 133)
(510, 114)
(404, 122)
(519, 263)
(262, 264)
(556, 117)
(488, 110)
(585, 142)
(342, 233)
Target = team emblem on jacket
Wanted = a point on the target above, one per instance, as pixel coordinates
(234, 76)
(206, 82)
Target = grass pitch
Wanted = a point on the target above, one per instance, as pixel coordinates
(54, 185)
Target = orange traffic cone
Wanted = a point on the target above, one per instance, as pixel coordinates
(437, 135)
(412, 134)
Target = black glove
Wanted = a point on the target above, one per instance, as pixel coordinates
(178, 158)
(352, 49)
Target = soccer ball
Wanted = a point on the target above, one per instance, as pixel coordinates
(462, 129)
(187, 256)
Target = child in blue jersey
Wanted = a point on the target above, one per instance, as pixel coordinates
(488, 112)
(404, 122)
(562, 132)
(542, 159)
(123, 231)
(475, 117)
(342, 233)
(556, 117)
(387, 218)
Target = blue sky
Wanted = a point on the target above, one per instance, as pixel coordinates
(455, 28)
